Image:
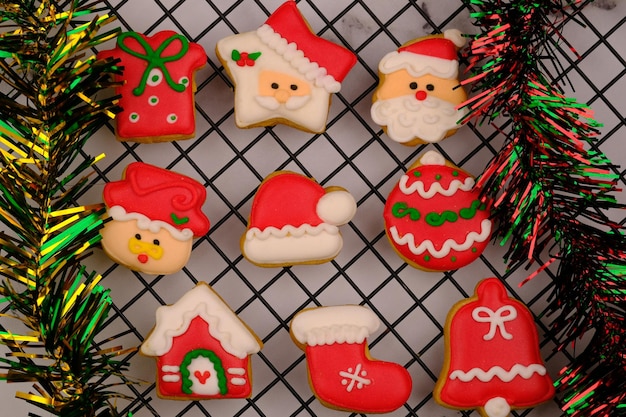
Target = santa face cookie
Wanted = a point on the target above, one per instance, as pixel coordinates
(157, 90)
(418, 93)
(202, 348)
(294, 221)
(492, 359)
(283, 72)
(342, 374)
(434, 218)
(155, 214)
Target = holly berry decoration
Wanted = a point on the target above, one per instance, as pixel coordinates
(245, 59)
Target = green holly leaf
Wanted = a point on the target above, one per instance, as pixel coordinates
(235, 55)
(254, 55)
(178, 220)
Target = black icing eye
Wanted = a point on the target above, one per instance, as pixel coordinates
(156, 242)
(413, 86)
(275, 86)
(138, 236)
(293, 87)
(430, 87)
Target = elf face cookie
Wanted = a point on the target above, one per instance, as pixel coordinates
(342, 374)
(492, 359)
(418, 92)
(294, 221)
(202, 348)
(434, 218)
(157, 90)
(283, 72)
(155, 213)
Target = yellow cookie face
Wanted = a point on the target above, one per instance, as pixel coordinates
(144, 250)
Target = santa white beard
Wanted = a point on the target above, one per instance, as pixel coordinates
(407, 118)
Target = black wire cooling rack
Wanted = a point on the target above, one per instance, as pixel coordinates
(354, 154)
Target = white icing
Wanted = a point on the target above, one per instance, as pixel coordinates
(456, 36)
(418, 65)
(155, 77)
(201, 301)
(435, 188)
(292, 244)
(145, 223)
(291, 53)
(153, 100)
(184, 81)
(433, 158)
(497, 407)
(336, 207)
(334, 324)
(170, 378)
(496, 320)
(238, 381)
(133, 117)
(522, 371)
(236, 371)
(170, 368)
(211, 384)
(172, 118)
(293, 103)
(354, 378)
(248, 112)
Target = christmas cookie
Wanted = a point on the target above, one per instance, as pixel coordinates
(202, 348)
(294, 221)
(283, 72)
(418, 94)
(157, 86)
(342, 374)
(492, 359)
(155, 214)
(434, 218)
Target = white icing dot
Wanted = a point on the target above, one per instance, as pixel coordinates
(172, 118)
(432, 158)
(497, 407)
(184, 81)
(133, 117)
(153, 100)
(155, 77)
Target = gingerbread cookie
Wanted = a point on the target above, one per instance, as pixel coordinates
(418, 94)
(283, 72)
(157, 86)
(492, 359)
(202, 348)
(342, 374)
(155, 214)
(434, 218)
(294, 221)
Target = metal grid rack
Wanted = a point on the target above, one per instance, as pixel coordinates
(354, 154)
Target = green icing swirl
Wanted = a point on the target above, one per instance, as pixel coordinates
(435, 219)
(401, 209)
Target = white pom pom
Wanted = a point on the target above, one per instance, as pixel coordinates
(336, 207)
(455, 36)
(432, 158)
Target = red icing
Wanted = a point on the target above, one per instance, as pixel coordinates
(197, 336)
(436, 47)
(161, 195)
(385, 385)
(143, 258)
(286, 198)
(466, 348)
(152, 121)
(421, 230)
(290, 24)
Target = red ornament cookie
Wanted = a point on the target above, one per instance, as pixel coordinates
(157, 94)
(202, 348)
(155, 214)
(294, 220)
(342, 374)
(492, 359)
(434, 218)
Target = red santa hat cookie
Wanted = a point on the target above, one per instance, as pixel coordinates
(434, 218)
(202, 348)
(283, 72)
(492, 359)
(418, 94)
(154, 214)
(294, 220)
(157, 86)
(342, 374)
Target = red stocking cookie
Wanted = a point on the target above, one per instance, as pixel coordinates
(155, 214)
(342, 374)
(202, 348)
(492, 358)
(294, 221)
(157, 94)
(419, 91)
(434, 218)
(283, 72)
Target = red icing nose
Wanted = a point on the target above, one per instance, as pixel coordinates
(421, 95)
(143, 258)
